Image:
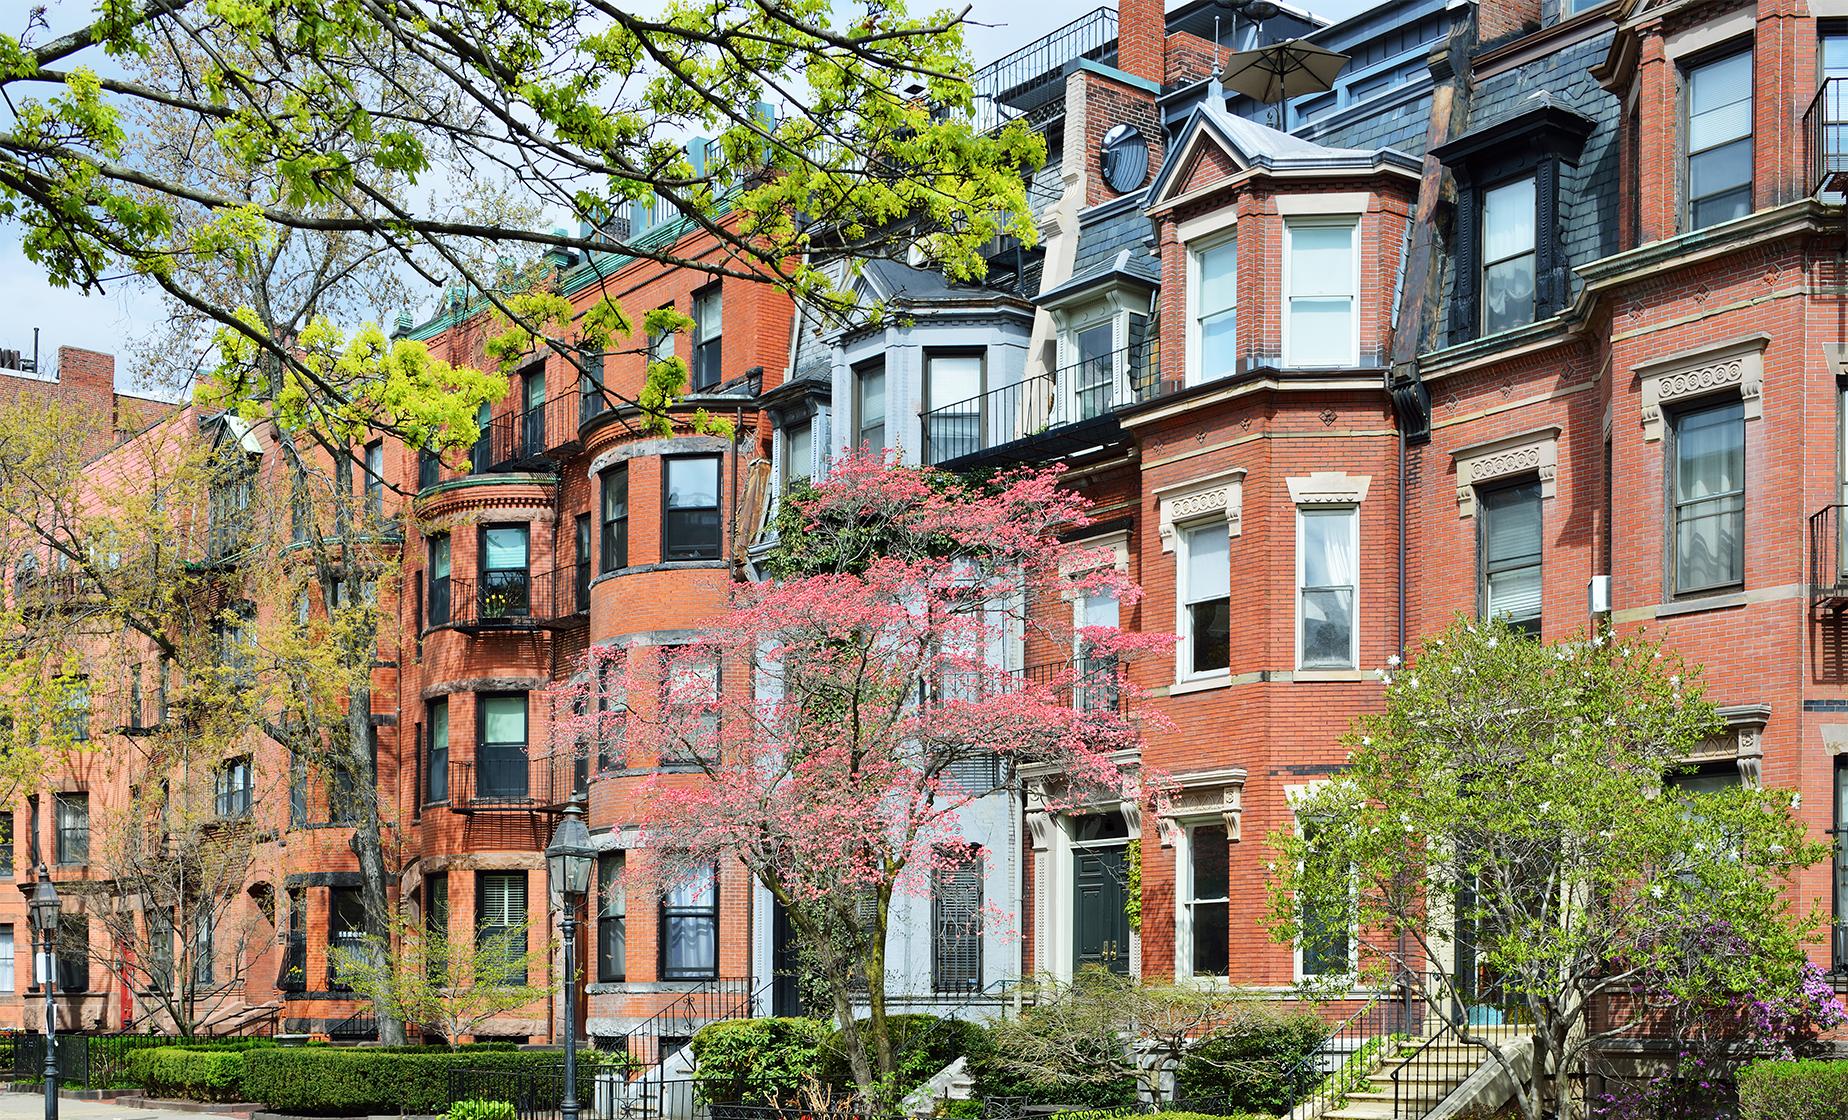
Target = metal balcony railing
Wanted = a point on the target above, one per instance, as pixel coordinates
(1828, 582)
(1825, 132)
(522, 437)
(506, 779)
(1041, 417)
(508, 599)
(1017, 84)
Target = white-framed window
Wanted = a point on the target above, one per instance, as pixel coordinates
(1204, 884)
(1508, 255)
(1321, 280)
(1095, 687)
(1205, 596)
(1327, 587)
(6, 958)
(1328, 944)
(798, 453)
(1212, 322)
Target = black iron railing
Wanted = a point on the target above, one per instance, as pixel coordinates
(292, 974)
(1828, 581)
(361, 1026)
(1018, 83)
(1825, 131)
(1353, 1050)
(1093, 684)
(85, 1060)
(1037, 408)
(508, 599)
(535, 1092)
(523, 437)
(508, 780)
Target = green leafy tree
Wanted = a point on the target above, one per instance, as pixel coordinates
(1506, 833)
(449, 986)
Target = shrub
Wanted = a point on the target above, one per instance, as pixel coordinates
(921, 1046)
(1809, 1090)
(327, 1081)
(994, 1078)
(481, 1110)
(757, 1061)
(1260, 1065)
(196, 1074)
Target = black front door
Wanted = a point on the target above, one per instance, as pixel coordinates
(1101, 928)
(785, 987)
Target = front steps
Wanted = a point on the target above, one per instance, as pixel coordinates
(1428, 1077)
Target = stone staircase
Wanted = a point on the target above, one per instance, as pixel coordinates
(1428, 1074)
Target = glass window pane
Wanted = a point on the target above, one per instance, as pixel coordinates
(1211, 872)
(954, 379)
(1321, 260)
(1209, 574)
(1321, 332)
(1328, 628)
(1508, 294)
(1328, 547)
(692, 483)
(1835, 56)
(699, 890)
(1511, 523)
(1710, 452)
(1218, 277)
(872, 397)
(439, 557)
(503, 719)
(1100, 609)
(800, 451)
(1508, 220)
(615, 494)
(1724, 168)
(1219, 344)
(1720, 101)
(439, 725)
(1210, 635)
(504, 547)
(1722, 208)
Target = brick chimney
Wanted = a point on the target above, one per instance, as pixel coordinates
(1142, 30)
(1497, 20)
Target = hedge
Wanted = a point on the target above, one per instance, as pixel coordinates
(921, 1045)
(195, 1074)
(1123, 1114)
(1807, 1090)
(1256, 1066)
(321, 1081)
(757, 1061)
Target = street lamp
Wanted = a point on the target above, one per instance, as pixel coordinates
(567, 859)
(44, 913)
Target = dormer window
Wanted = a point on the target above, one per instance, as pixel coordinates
(1508, 255)
(1510, 266)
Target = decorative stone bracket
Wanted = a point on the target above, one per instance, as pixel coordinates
(1221, 495)
(1742, 741)
(1736, 366)
(1535, 452)
(1206, 794)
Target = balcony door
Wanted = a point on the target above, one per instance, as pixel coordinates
(506, 585)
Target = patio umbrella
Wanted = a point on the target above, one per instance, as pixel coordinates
(1282, 70)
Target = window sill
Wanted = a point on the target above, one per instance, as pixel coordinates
(1696, 602)
(1311, 676)
(1200, 684)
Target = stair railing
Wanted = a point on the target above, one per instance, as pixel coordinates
(1352, 1050)
(1423, 1072)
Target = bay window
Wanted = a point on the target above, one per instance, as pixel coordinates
(798, 453)
(613, 548)
(1206, 599)
(952, 405)
(690, 927)
(1719, 140)
(1327, 543)
(1214, 315)
(1320, 317)
(691, 529)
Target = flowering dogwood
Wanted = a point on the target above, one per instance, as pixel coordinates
(828, 728)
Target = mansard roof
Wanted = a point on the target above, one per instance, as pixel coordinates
(1214, 144)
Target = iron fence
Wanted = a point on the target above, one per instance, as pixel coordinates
(85, 1061)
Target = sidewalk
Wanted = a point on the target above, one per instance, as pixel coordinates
(31, 1106)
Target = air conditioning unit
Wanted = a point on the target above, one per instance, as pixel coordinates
(1598, 595)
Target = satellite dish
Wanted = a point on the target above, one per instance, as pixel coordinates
(1124, 156)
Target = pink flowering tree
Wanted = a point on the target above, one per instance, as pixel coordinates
(828, 727)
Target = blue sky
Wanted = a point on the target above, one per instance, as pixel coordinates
(110, 322)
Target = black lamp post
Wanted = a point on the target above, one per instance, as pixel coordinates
(44, 909)
(568, 858)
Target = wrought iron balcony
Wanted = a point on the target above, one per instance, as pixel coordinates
(1041, 418)
(1033, 77)
(508, 599)
(528, 438)
(513, 782)
(1828, 580)
(1825, 130)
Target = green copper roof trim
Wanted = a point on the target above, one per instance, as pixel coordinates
(521, 478)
